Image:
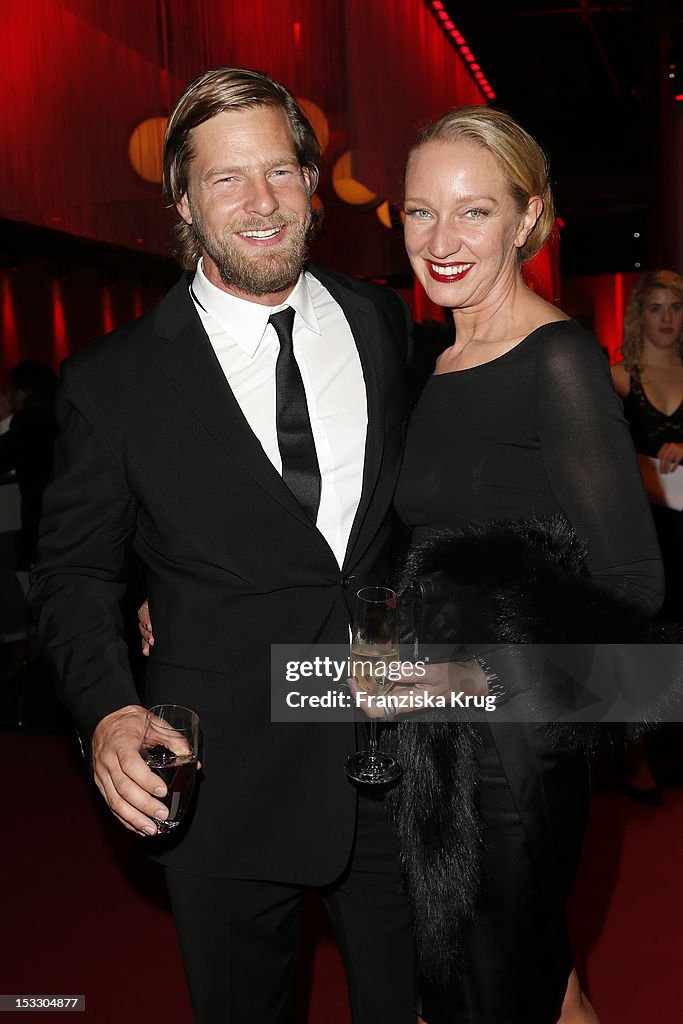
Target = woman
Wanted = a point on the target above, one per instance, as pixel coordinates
(519, 420)
(650, 381)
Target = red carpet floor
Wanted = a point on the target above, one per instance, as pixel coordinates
(85, 913)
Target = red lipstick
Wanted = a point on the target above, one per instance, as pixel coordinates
(450, 271)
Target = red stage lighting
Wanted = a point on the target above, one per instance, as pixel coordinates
(107, 315)
(439, 9)
(59, 339)
(10, 346)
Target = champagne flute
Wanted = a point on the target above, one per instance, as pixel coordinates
(169, 747)
(374, 647)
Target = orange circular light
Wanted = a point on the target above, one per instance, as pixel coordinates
(318, 120)
(145, 148)
(346, 186)
(384, 214)
(390, 216)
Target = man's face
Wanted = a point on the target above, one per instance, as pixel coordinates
(248, 203)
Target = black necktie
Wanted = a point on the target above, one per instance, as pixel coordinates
(300, 470)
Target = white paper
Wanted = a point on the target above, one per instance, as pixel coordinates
(662, 488)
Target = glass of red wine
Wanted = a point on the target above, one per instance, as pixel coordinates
(169, 747)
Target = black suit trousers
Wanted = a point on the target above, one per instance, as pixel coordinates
(239, 938)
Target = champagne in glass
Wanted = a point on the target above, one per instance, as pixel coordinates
(374, 647)
(169, 747)
(370, 667)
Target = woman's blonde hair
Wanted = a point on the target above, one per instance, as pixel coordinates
(632, 346)
(519, 156)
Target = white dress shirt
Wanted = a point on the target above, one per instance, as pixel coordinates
(247, 347)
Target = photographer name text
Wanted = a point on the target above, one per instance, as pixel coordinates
(415, 700)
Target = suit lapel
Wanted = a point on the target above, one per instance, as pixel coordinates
(183, 353)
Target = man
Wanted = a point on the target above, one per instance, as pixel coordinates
(185, 435)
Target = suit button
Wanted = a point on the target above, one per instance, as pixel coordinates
(346, 582)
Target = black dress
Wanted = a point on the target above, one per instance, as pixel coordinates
(535, 432)
(650, 429)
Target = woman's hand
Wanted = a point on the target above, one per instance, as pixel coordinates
(437, 680)
(145, 628)
(670, 456)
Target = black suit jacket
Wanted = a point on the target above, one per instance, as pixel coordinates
(154, 452)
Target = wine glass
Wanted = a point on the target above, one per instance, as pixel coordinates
(169, 747)
(374, 647)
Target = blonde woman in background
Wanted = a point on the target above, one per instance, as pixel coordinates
(649, 379)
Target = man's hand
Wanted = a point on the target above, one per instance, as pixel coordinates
(121, 775)
(438, 680)
(145, 628)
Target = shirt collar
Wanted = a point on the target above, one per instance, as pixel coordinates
(244, 321)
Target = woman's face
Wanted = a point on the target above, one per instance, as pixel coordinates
(662, 318)
(462, 228)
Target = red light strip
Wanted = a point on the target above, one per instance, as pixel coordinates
(439, 11)
(107, 314)
(60, 345)
(10, 346)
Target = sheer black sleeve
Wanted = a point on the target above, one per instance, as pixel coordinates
(592, 468)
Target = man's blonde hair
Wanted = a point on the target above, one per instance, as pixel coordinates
(216, 92)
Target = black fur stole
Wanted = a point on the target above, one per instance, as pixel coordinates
(533, 576)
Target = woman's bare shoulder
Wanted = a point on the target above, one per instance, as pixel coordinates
(621, 378)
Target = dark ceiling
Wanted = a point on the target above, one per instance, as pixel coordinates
(589, 80)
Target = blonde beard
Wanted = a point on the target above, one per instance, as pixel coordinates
(264, 273)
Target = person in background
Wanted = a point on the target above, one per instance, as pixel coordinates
(5, 412)
(27, 449)
(649, 380)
